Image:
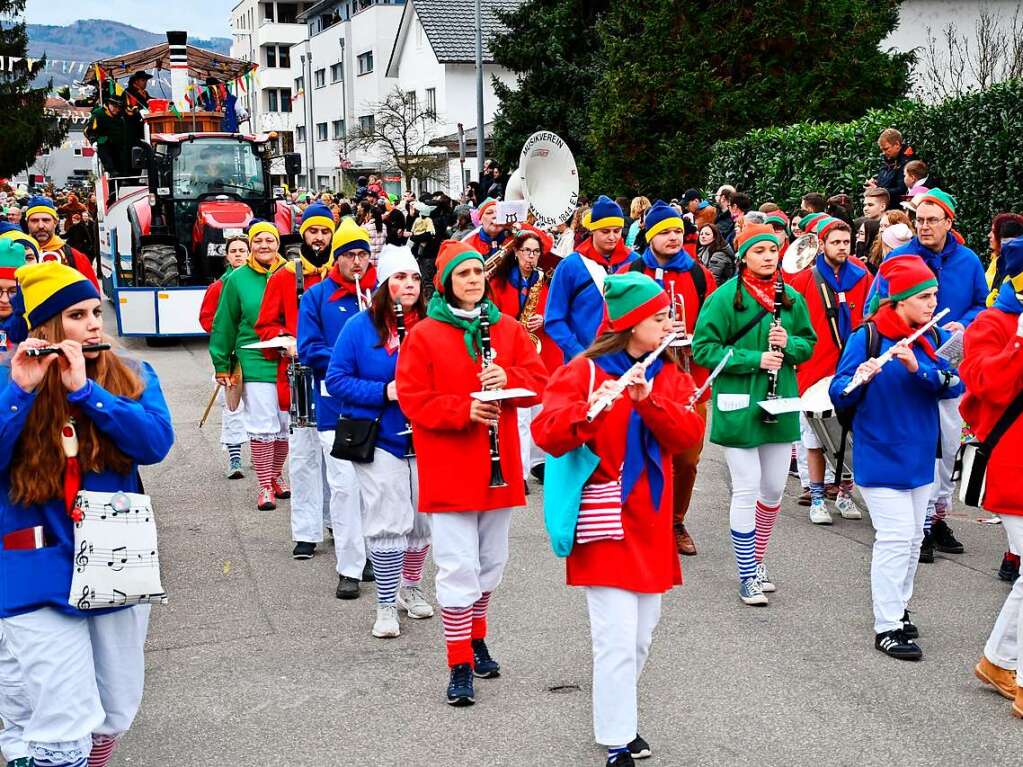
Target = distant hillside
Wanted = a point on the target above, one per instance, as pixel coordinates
(90, 39)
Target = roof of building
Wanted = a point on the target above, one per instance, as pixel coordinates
(450, 27)
(450, 141)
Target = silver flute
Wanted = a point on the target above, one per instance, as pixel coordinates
(886, 356)
(622, 383)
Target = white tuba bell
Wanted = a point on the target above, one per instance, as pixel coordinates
(546, 179)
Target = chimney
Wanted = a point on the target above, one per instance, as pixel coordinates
(177, 42)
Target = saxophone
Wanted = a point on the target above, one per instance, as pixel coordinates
(530, 309)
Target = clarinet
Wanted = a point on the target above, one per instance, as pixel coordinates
(772, 375)
(399, 320)
(496, 477)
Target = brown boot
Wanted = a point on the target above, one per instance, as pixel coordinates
(1002, 679)
(684, 541)
(1017, 705)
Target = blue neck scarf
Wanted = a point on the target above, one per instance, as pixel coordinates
(848, 275)
(522, 285)
(493, 242)
(681, 262)
(642, 450)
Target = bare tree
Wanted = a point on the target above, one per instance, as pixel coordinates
(401, 132)
(955, 64)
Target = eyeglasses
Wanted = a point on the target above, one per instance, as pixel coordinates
(353, 255)
(929, 221)
(9, 292)
(530, 251)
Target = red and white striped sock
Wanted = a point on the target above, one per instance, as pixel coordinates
(765, 519)
(412, 573)
(479, 616)
(457, 632)
(280, 456)
(102, 749)
(263, 461)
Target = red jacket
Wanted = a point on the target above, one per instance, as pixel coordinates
(824, 360)
(507, 300)
(77, 260)
(210, 302)
(992, 369)
(278, 316)
(686, 288)
(646, 559)
(435, 376)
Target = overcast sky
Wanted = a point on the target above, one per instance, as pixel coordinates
(200, 18)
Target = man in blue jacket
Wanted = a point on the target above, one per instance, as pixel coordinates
(575, 303)
(962, 289)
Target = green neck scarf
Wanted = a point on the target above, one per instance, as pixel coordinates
(440, 310)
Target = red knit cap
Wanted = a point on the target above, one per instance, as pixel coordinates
(450, 255)
(906, 276)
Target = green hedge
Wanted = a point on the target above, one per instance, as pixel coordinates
(974, 144)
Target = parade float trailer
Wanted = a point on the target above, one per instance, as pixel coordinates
(162, 231)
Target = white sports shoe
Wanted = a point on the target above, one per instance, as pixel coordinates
(412, 601)
(766, 584)
(386, 625)
(847, 507)
(819, 513)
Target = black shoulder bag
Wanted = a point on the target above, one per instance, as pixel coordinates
(355, 439)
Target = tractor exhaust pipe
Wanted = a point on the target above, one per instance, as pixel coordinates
(177, 43)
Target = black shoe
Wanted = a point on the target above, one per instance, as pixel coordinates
(537, 472)
(1009, 571)
(623, 759)
(347, 588)
(639, 748)
(303, 550)
(908, 627)
(525, 484)
(367, 572)
(460, 690)
(895, 644)
(944, 541)
(927, 549)
(484, 666)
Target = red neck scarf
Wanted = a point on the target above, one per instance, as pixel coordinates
(761, 288)
(346, 287)
(411, 318)
(890, 325)
(618, 256)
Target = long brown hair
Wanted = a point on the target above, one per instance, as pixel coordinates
(38, 473)
(381, 310)
(503, 269)
(876, 254)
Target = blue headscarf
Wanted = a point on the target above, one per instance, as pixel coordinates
(849, 274)
(642, 450)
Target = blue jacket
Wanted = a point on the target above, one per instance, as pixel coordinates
(962, 287)
(360, 369)
(32, 579)
(895, 429)
(319, 324)
(575, 307)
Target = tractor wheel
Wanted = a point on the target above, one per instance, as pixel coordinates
(159, 267)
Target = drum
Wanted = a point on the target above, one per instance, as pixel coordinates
(820, 414)
(302, 383)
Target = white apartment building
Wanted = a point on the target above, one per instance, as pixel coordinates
(339, 70)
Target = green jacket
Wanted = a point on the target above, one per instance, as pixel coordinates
(234, 325)
(104, 128)
(740, 422)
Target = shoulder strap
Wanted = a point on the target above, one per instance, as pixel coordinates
(699, 282)
(1007, 419)
(873, 339)
(746, 328)
(830, 301)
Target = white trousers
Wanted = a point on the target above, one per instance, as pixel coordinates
(757, 473)
(531, 454)
(83, 675)
(951, 435)
(1006, 638)
(232, 422)
(898, 519)
(305, 472)
(390, 497)
(15, 709)
(622, 626)
(261, 411)
(470, 549)
(345, 511)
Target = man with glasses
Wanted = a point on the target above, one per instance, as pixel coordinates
(962, 289)
(324, 310)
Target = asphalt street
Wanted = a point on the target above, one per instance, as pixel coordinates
(254, 662)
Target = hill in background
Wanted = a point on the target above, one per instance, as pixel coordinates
(89, 39)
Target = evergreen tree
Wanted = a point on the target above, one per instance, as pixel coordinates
(678, 78)
(24, 130)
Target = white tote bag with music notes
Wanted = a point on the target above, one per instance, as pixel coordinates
(116, 560)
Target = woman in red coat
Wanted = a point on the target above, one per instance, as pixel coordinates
(626, 556)
(440, 366)
(515, 278)
(992, 369)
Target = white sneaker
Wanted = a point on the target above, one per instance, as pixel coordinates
(764, 579)
(412, 601)
(386, 625)
(847, 507)
(819, 513)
